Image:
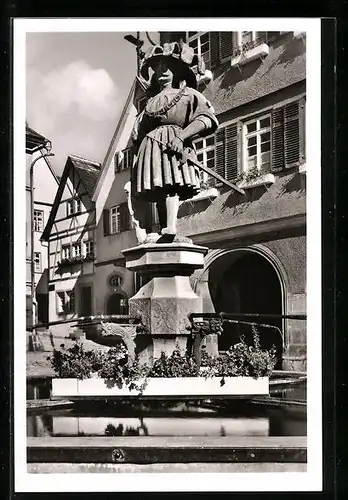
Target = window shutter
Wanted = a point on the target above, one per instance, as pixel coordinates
(124, 217)
(220, 153)
(225, 44)
(118, 162)
(106, 222)
(277, 139)
(292, 134)
(214, 48)
(231, 151)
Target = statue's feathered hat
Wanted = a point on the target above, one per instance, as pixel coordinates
(182, 53)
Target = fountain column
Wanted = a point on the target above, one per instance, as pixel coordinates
(167, 298)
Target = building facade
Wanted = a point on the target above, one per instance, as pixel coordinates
(43, 189)
(257, 242)
(70, 235)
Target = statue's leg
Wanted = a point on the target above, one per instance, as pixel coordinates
(172, 206)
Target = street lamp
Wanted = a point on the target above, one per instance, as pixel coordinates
(48, 147)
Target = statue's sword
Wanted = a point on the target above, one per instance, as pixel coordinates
(203, 167)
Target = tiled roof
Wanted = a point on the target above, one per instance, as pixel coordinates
(87, 170)
(286, 197)
(232, 87)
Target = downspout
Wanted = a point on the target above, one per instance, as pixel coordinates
(32, 264)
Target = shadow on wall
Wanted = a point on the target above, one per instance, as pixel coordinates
(237, 74)
(294, 48)
(296, 184)
(193, 207)
(240, 202)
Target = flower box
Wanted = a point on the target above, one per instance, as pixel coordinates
(261, 180)
(253, 53)
(162, 387)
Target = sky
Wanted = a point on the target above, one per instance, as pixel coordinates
(76, 85)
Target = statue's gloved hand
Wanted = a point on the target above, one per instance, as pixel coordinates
(176, 145)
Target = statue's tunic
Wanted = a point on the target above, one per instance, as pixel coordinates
(158, 172)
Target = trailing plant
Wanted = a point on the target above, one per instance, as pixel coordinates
(249, 175)
(175, 365)
(243, 360)
(118, 369)
(76, 259)
(76, 362)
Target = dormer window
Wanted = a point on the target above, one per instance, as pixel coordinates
(123, 160)
(200, 43)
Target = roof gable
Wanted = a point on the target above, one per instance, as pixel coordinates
(119, 141)
(88, 171)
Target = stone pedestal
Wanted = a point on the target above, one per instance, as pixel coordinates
(167, 298)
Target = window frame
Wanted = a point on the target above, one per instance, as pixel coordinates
(62, 302)
(245, 136)
(39, 262)
(89, 244)
(38, 222)
(126, 161)
(117, 216)
(74, 206)
(204, 176)
(66, 247)
(240, 37)
(197, 37)
(141, 99)
(75, 245)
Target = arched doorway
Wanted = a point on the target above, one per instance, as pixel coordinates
(117, 303)
(246, 282)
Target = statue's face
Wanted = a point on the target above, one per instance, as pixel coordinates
(164, 74)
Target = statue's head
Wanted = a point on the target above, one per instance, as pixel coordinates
(171, 63)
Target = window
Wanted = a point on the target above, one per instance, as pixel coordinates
(205, 149)
(123, 160)
(66, 252)
(264, 143)
(38, 220)
(200, 42)
(66, 302)
(141, 104)
(76, 250)
(74, 206)
(89, 248)
(37, 262)
(115, 220)
(247, 37)
(257, 144)
(115, 281)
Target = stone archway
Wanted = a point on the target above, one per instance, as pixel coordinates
(245, 280)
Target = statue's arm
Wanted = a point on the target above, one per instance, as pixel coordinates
(202, 122)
